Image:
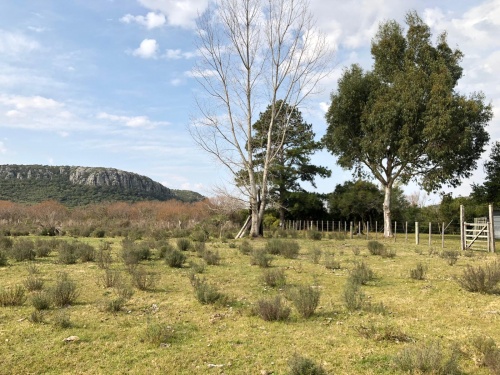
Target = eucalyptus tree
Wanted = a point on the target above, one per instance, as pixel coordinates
(254, 53)
(405, 120)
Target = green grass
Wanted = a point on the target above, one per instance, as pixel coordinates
(435, 309)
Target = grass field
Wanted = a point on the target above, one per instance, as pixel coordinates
(399, 314)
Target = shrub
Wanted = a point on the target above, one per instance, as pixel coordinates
(290, 249)
(114, 305)
(23, 249)
(481, 279)
(67, 253)
(62, 319)
(305, 300)
(330, 262)
(418, 273)
(197, 267)
(85, 252)
(175, 258)
(354, 298)
(314, 235)
(199, 248)
(164, 249)
(205, 293)
(199, 235)
(304, 366)
(158, 333)
(275, 278)
(428, 358)
(389, 253)
(361, 274)
(315, 255)
(12, 296)
(142, 279)
(3, 258)
(211, 258)
(109, 278)
(65, 292)
(184, 244)
(272, 309)
(489, 352)
(451, 256)
(43, 248)
(383, 333)
(33, 282)
(260, 258)
(246, 247)
(6, 243)
(103, 255)
(273, 246)
(37, 316)
(376, 248)
(41, 300)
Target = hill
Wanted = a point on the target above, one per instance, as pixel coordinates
(75, 186)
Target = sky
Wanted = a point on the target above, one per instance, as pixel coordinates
(109, 83)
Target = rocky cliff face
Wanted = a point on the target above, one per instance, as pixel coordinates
(85, 176)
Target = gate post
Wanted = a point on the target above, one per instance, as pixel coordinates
(491, 230)
(462, 229)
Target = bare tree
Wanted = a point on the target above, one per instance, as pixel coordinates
(253, 53)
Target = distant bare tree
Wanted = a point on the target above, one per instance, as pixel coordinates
(253, 53)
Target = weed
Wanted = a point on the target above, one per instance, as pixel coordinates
(199, 248)
(383, 333)
(62, 319)
(314, 235)
(114, 305)
(246, 247)
(356, 251)
(33, 282)
(12, 296)
(428, 358)
(260, 258)
(389, 253)
(65, 292)
(481, 279)
(361, 274)
(273, 246)
(103, 255)
(354, 298)
(451, 256)
(198, 267)
(305, 300)
(274, 277)
(3, 258)
(315, 255)
(330, 262)
(418, 273)
(142, 279)
(205, 293)
(304, 366)
(41, 300)
(287, 248)
(158, 333)
(211, 258)
(184, 244)
(37, 316)
(489, 352)
(272, 309)
(109, 278)
(23, 249)
(175, 258)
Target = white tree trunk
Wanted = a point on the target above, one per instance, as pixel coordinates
(387, 211)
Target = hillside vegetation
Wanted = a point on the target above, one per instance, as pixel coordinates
(74, 186)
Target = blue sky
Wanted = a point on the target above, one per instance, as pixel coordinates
(107, 83)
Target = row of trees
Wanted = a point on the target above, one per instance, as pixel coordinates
(403, 120)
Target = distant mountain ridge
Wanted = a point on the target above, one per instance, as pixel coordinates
(74, 185)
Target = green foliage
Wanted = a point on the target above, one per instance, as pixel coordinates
(246, 247)
(489, 191)
(132, 253)
(353, 296)
(418, 273)
(198, 267)
(428, 358)
(142, 279)
(304, 366)
(489, 352)
(206, 293)
(305, 299)
(62, 319)
(184, 244)
(361, 274)
(67, 253)
(158, 333)
(12, 296)
(212, 258)
(43, 248)
(175, 258)
(85, 252)
(41, 300)
(451, 256)
(274, 277)
(481, 279)
(376, 248)
(261, 258)
(33, 282)
(287, 248)
(3, 258)
(109, 278)
(315, 255)
(37, 316)
(314, 235)
(272, 309)
(65, 292)
(23, 249)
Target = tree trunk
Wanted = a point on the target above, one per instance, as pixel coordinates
(387, 211)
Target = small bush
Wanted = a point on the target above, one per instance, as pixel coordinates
(198, 267)
(6, 243)
(158, 334)
(85, 252)
(287, 248)
(65, 292)
(175, 258)
(164, 249)
(143, 280)
(428, 358)
(184, 244)
(353, 296)
(305, 300)
(356, 251)
(67, 253)
(489, 352)
(109, 278)
(272, 309)
(114, 305)
(199, 235)
(212, 258)
(315, 255)
(451, 256)
(330, 262)
(304, 366)
(361, 274)
(3, 258)
(43, 248)
(246, 247)
(199, 248)
(37, 316)
(418, 273)
(383, 333)
(103, 255)
(376, 248)
(274, 245)
(481, 279)
(389, 253)
(12, 296)
(32, 283)
(275, 278)
(62, 319)
(23, 249)
(205, 293)
(314, 235)
(41, 300)
(261, 258)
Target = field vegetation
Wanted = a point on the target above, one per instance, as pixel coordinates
(170, 310)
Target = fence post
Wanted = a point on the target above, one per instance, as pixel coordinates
(462, 229)
(395, 230)
(376, 230)
(351, 231)
(367, 230)
(442, 237)
(417, 234)
(491, 229)
(406, 231)
(430, 234)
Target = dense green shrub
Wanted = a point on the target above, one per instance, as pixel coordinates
(23, 249)
(164, 249)
(361, 274)
(158, 333)
(65, 292)
(12, 296)
(41, 300)
(184, 244)
(33, 282)
(418, 273)
(142, 279)
(287, 248)
(354, 298)
(273, 246)
(67, 253)
(205, 293)
(132, 253)
(305, 300)
(304, 366)
(481, 279)
(246, 247)
(212, 258)
(428, 358)
(272, 309)
(43, 248)
(85, 252)
(376, 248)
(274, 277)
(314, 235)
(261, 258)
(175, 258)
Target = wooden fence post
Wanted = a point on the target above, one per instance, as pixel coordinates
(430, 234)
(351, 231)
(417, 234)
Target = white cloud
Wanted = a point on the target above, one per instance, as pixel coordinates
(182, 13)
(28, 102)
(3, 149)
(15, 44)
(150, 21)
(200, 73)
(147, 49)
(131, 122)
